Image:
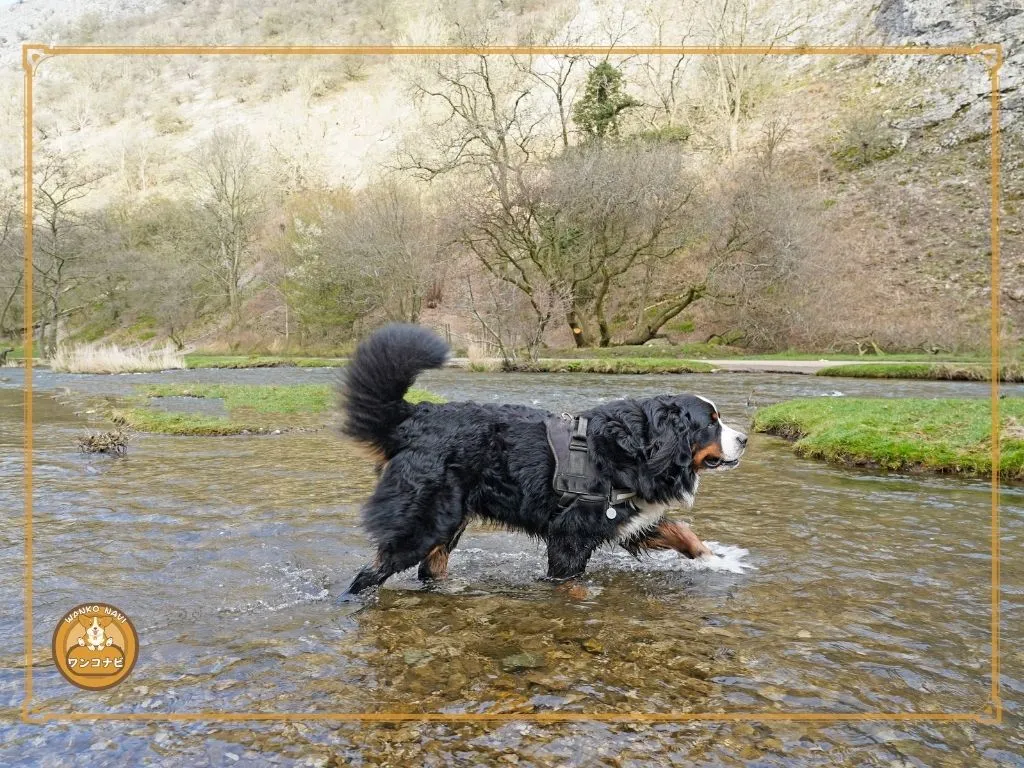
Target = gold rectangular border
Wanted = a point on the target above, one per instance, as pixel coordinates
(33, 54)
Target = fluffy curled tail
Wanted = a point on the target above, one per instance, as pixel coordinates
(381, 371)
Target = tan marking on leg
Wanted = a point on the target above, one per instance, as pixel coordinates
(573, 589)
(436, 562)
(670, 535)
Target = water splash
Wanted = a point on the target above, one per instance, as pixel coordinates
(726, 558)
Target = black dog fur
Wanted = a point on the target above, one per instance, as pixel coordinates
(444, 464)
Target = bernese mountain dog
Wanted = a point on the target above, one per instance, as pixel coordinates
(442, 465)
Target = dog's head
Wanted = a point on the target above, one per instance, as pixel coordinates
(95, 629)
(657, 447)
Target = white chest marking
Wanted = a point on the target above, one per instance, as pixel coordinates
(650, 513)
(648, 517)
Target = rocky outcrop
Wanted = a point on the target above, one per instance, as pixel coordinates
(961, 103)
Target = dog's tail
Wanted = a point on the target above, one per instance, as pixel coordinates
(381, 371)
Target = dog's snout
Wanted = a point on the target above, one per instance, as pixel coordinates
(742, 440)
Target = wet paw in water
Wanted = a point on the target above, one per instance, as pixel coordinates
(348, 604)
(724, 557)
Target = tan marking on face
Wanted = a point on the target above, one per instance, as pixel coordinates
(710, 451)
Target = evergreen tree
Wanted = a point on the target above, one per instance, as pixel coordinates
(597, 112)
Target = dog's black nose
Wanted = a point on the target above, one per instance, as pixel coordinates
(742, 440)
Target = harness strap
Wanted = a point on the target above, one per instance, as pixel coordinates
(580, 428)
(575, 477)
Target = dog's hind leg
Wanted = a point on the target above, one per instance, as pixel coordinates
(435, 564)
(412, 518)
(380, 570)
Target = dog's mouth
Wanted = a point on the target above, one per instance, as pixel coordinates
(719, 463)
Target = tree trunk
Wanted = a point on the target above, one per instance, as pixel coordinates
(579, 333)
(7, 305)
(602, 322)
(647, 330)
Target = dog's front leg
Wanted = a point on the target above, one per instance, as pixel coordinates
(678, 536)
(568, 557)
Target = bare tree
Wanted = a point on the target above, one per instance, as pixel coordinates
(504, 316)
(487, 131)
(766, 234)
(388, 245)
(485, 119)
(558, 74)
(663, 76)
(135, 160)
(60, 254)
(228, 194)
(12, 273)
(734, 79)
(598, 227)
(614, 218)
(345, 259)
(153, 271)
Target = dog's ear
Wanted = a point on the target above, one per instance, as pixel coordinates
(85, 621)
(669, 431)
(619, 436)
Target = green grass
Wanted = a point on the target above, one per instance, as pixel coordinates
(722, 352)
(298, 398)
(260, 361)
(901, 434)
(688, 352)
(1013, 372)
(614, 365)
(17, 354)
(909, 357)
(251, 409)
(662, 352)
(143, 418)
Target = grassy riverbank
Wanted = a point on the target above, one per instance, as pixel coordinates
(199, 360)
(250, 409)
(598, 365)
(1012, 372)
(15, 354)
(722, 352)
(907, 435)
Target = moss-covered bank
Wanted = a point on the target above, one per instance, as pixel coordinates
(250, 409)
(901, 434)
(1011, 372)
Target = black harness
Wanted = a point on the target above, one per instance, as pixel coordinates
(576, 478)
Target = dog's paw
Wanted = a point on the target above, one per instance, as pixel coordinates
(574, 590)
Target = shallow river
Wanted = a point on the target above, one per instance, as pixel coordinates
(838, 591)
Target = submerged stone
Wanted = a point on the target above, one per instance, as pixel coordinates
(519, 661)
